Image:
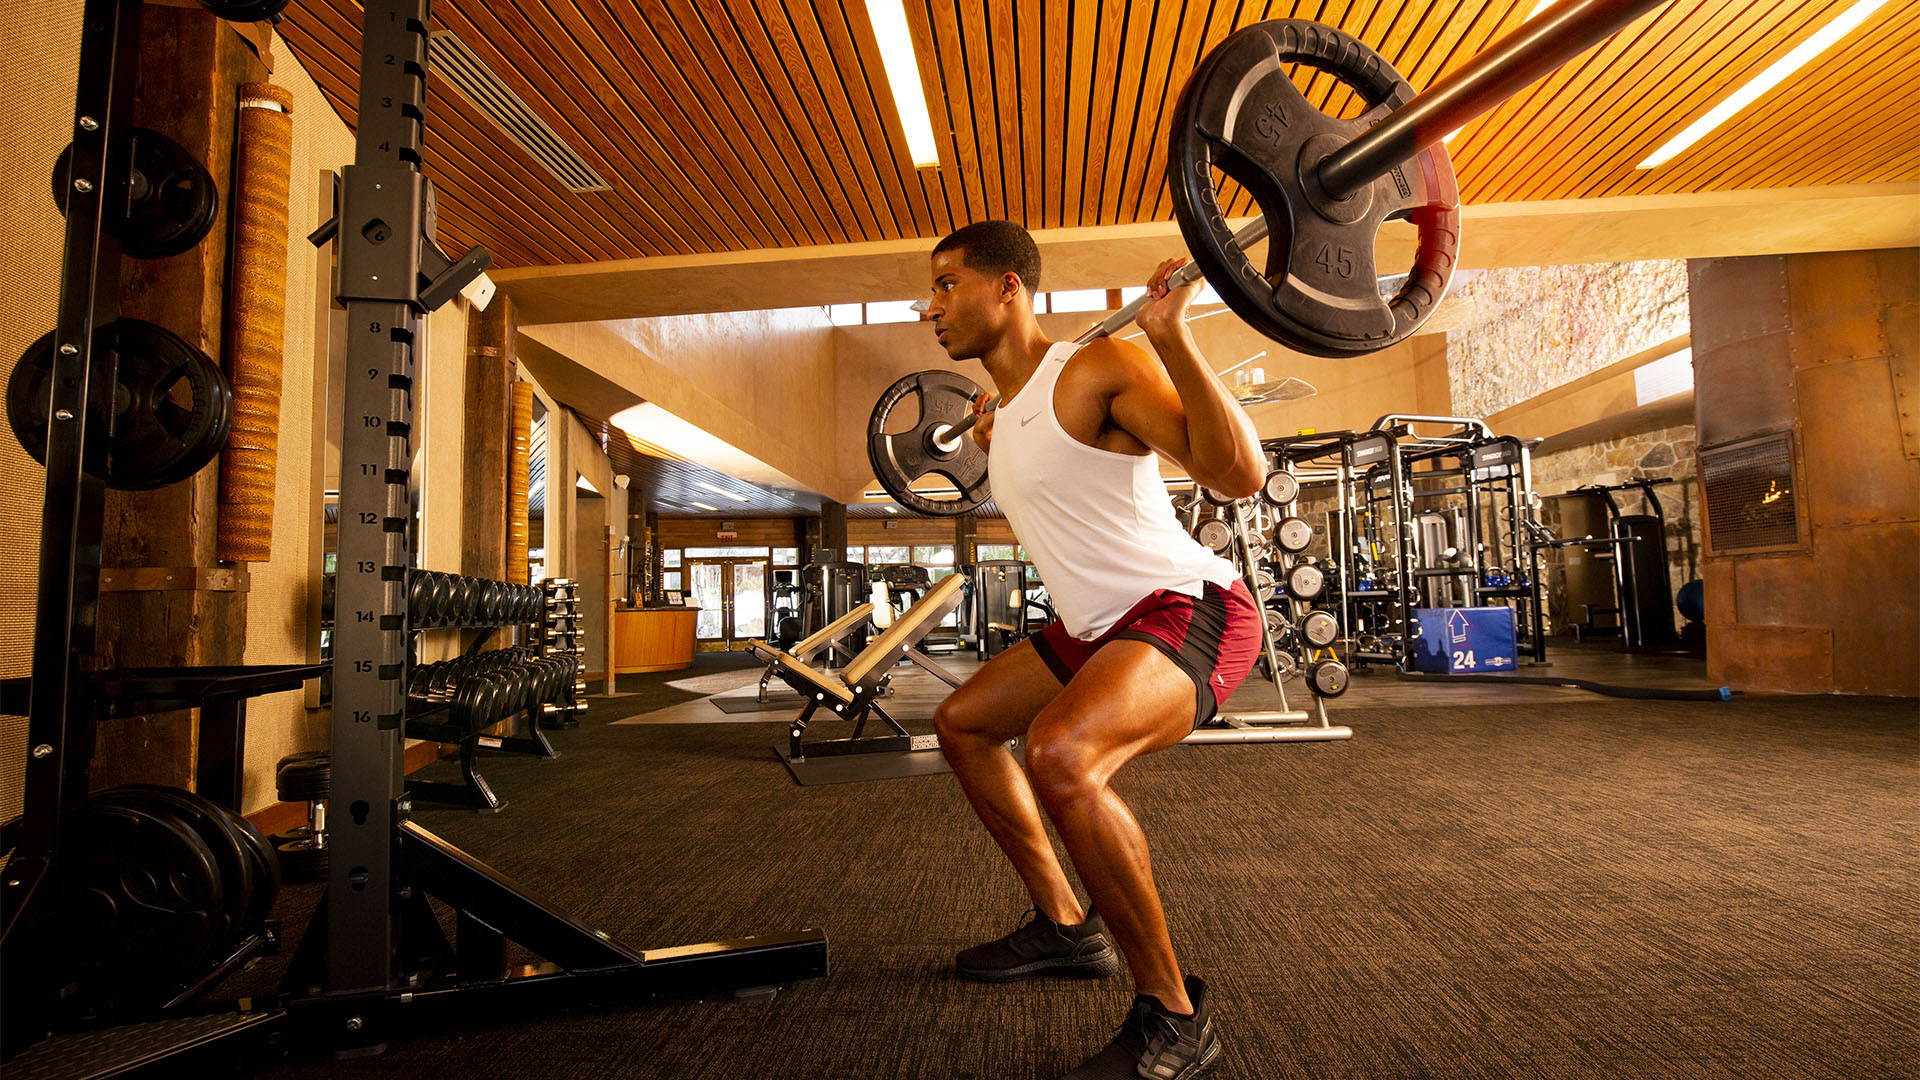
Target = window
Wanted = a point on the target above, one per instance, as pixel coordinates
(1077, 300)
(891, 311)
(786, 556)
(983, 552)
(887, 555)
(933, 556)
(670, 557)
(735, 552)
(845, 314)
(670, 581)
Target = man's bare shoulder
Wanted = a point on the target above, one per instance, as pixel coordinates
(1111, 361)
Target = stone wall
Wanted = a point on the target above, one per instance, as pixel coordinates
(1531, 329)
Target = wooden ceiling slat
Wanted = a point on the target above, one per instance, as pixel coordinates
(1004, 35)
(660, 61)
(1142, 30)
(1778, 121)
(1104, 109)
(1150, 178)
(335, 83)
(713, 53)
(1175, 27)
(1542, 125)
(743, 41)
(1058, 51)
(846, 79)
(945, 83)
(970, 76)
(824, 84)
(1565, 147)
(784, 66)
(683, 144)
(496, 35)
(1083, 40)
(1839, 141)
(1032, 120)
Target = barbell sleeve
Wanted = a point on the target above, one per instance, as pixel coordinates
(1250, 234)
(1561, 33)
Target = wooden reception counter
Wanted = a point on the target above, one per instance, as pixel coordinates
(652, 639)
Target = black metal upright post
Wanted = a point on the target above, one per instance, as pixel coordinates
(59, 728)
(382, 223)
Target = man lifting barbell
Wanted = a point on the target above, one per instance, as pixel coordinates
(1154, 630)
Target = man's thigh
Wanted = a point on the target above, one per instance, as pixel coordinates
(1003, 697)
(1129, 699)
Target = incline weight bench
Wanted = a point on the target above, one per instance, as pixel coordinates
(854, 693)
(822, 640)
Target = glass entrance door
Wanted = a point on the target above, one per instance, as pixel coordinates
(732, 596)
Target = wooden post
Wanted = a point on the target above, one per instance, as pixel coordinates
(191, 67)
(488, 445)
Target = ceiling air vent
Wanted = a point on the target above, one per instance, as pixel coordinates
(1748, 487)
(461, 68)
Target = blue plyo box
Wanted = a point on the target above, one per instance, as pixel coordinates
(1462, 640)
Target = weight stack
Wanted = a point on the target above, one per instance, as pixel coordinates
(561, 635)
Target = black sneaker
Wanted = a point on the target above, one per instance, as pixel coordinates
(1043, 947)
(1155, 1044)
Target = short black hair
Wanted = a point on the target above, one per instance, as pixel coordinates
(996, 247)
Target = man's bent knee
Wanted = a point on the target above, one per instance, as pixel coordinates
(1061, 772)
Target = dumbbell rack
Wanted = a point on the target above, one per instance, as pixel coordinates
(561, 635)
(458, 701)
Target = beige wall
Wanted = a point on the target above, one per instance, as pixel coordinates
(762, 381)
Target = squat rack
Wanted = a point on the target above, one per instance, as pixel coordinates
(374, 961)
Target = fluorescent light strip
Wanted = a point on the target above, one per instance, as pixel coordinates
(1537, 9)
(703, 506)
(1820, 42)
(902, 64)
(721, 491)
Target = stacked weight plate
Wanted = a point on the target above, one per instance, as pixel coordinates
(562, 637)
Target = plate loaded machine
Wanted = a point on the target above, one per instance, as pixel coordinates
(374, 963)
(1267, 544)
(1465, 535)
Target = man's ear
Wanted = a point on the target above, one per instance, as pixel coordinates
(1010, 286)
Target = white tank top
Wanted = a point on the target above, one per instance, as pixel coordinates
(1097, 524)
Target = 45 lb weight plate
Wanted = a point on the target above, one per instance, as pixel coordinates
(928, 448)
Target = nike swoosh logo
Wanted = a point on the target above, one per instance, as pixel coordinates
(1025, 420)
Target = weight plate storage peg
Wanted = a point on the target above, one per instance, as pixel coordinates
(1242, 114)
(172, 406)
(929, 448)
(167, 204)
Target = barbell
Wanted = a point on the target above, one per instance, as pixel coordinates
(1324, 186)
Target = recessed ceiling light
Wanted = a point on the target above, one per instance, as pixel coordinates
(891, 509)
(721, 491)
(902, 63)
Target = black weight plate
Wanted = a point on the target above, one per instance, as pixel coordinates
(203, 817)
(172, 406)
(138, 906)
(466, 598)
(168, 203)
(302, 860)
(266, 866)
(945, 399)
(305, 780)
(1242, 113)
(418, 589)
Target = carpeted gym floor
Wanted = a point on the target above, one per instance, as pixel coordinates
(1596, 889)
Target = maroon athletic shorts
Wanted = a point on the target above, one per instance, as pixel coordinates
(1214, 639)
